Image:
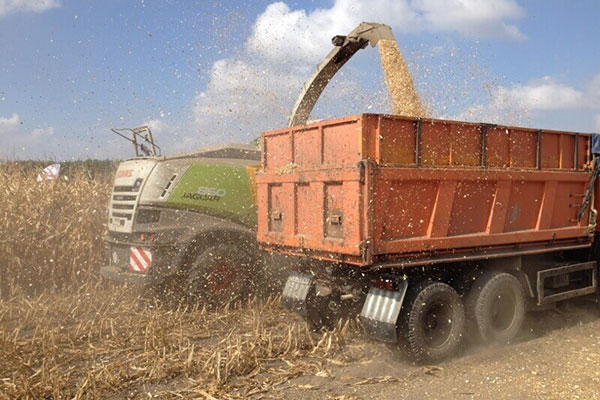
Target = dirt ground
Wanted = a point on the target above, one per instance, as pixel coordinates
(556, 357)
(107, 343)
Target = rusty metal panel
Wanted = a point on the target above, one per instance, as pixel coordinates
(277, 152)
(567, 200)
(404, 208)
(397, 141)
(439, 224)
(523, 206)
(435, 144)
(307, 148)
(306, 198)
(334, 210)
(567, 151)
(341, 144)
(582, 151)
(386, 186)
(471, 207)
(550, 152)
(278, 207)
(309, 210)
(498, 147)
(523, 148)
(403, 141)
(466, 145)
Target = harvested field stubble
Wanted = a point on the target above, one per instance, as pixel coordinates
(66, 334)
(99, 342)
(50, 232)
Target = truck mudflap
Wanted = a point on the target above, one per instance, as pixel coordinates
(296, 291)
(380, 312)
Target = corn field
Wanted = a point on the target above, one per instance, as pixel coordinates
(65, 333)
(50, 231)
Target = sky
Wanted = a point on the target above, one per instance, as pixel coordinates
(202, 72)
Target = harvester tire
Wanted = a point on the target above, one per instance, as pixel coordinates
(435, 322)
(495, 307)
(220, 274)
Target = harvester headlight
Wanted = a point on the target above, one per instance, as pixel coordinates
(137, 184)
(147, 216)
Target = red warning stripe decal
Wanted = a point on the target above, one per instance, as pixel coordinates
(140, 259)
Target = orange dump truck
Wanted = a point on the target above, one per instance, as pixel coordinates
(429, 228)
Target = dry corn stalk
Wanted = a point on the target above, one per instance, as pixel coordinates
(50, 232)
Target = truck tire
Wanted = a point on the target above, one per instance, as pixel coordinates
(495, 307)
(434, 325)
(221, 273)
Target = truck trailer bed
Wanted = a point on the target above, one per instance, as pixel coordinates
(381, 189)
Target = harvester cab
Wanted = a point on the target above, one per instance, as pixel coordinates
(185, 223)
(142, 140)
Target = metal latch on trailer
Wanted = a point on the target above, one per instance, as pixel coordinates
(365, 167)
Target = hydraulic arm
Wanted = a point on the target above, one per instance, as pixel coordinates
(345, 48)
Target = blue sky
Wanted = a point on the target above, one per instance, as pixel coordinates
(208, 72)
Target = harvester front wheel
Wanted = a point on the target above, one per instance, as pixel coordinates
(496, 307)
(435, 321)
(220, 274)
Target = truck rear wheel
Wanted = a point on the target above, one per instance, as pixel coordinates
(496, 307)
(435, 322)
(221, 273)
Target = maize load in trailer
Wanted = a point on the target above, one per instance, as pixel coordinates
(485, 211)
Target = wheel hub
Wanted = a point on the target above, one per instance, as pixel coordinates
(503, 310)
(222, 280)
(437, 324)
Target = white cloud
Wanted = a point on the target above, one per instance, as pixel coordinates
(19, 142)
(242, 98)
(284, 35)
(593, 92)
(257, 91)
(42, 132)
(9, 125)
(168, 137)
(542, 94)
(544, 100)
(281, 34)
(472, 18)
(12, 6)
(244, 87)
(157, 126)
(547, 94)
